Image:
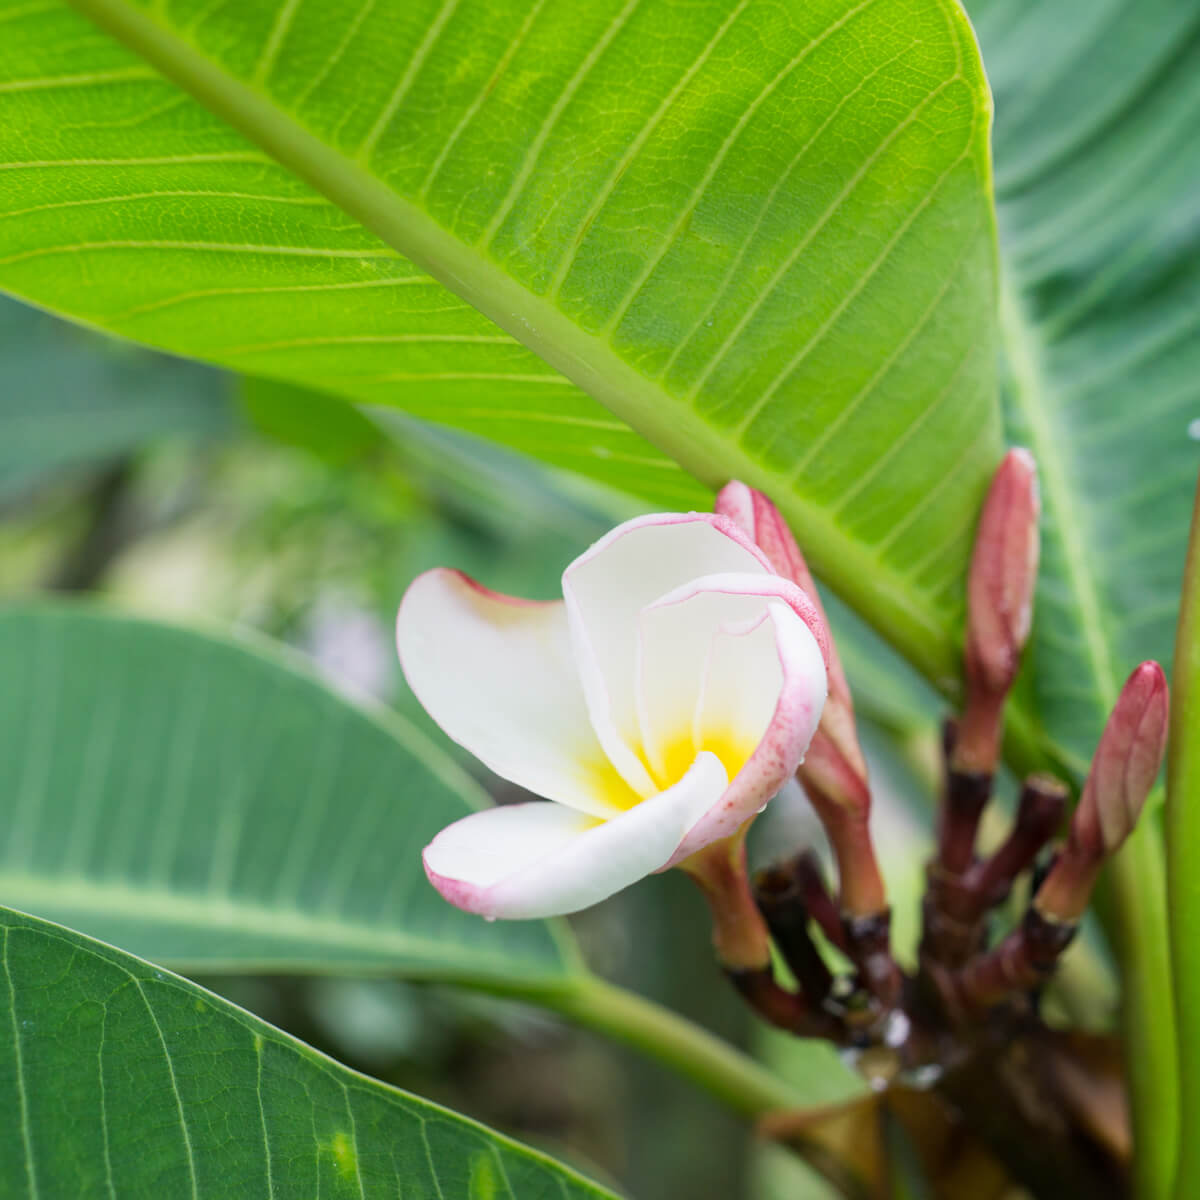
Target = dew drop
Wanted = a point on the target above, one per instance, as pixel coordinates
(1194, 430)
(490, 920)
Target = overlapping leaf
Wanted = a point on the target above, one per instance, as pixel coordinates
(71, 398)
(759, 233)
(1097, 175)
(208, 803)
(119, 1079)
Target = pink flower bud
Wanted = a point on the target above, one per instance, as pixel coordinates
(1126, 762)
(1003, 573)
(759, 519)
(834, 772)
(1123, 771)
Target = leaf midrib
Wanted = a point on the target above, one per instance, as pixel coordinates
(1031, 394)
(236, 914)
(875, 589)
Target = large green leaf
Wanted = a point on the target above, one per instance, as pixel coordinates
(209, 803)
(1097, 171)
(71, 398)
(759, 233)
(119, 1079)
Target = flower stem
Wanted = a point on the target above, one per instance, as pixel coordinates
(1133, 907)
(1183, 861)
(722, 1070)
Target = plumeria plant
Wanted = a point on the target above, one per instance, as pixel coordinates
(684, 679)
(705, 300)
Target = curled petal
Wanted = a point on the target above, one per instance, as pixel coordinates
(798, 692)
(497, 674)
(709, 672)
(541, 860)
(605, 589)
(763, 523)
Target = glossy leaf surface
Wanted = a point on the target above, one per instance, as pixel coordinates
(758, 233)
(120, 1079)
(1097, 169)
(209, 803)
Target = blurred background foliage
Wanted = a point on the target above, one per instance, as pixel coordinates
(184, 493)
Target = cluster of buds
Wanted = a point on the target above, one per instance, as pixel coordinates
(683, 679)
(958, 979)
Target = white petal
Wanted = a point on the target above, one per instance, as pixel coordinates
(541, 860)
(793, 722)
(497, 674)
(608, 586)
(675, 647)
(743, 678)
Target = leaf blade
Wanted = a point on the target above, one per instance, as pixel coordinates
(131, 1081)
(885, 183)
(212, 804)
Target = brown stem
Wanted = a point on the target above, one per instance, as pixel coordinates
(977, 746)
(779, 1007)
(806, 870)
(1039, 814)
(1022, 962)
(860, 884)
(966, 795)
(780, 897)
(868, 946)
(1066, 890)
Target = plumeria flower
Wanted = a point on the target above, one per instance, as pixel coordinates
(659, 705)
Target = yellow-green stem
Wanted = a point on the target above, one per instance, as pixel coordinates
(1183, 862)
(1133, 905)
(728, 1074)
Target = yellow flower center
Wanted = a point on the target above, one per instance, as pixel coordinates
(680, 753)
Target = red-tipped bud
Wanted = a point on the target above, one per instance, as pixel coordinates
(1126, 762)
(1003, 572)
(834, 772)
(1123, 771)
(999, 608)
(763, 523)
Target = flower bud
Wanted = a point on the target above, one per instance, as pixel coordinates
(834, 771)
(837, 738)
(1126, 762)
(1003, 572)
(1123, 771)
(999, 608)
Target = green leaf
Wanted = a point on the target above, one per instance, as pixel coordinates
(1097, 165)
(314, 421)
(72, 398)
(759, 233)
(209, 803)
(119, 1079)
